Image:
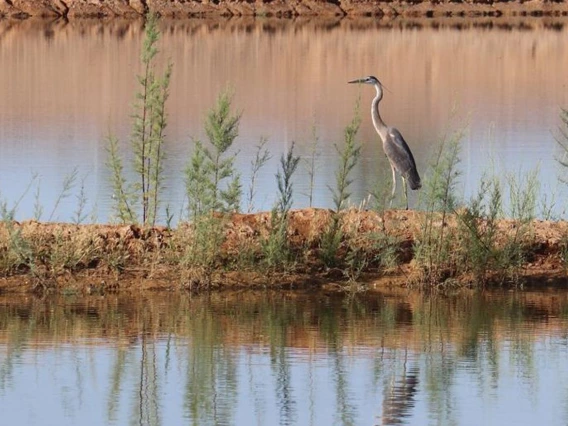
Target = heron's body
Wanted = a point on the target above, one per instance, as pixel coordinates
(396, 149)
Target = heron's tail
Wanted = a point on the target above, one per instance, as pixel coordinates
(413, 179)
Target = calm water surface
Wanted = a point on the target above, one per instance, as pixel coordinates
(65, 86)
(289, 359)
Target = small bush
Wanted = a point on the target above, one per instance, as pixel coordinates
(434, 248)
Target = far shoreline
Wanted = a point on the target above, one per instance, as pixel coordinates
(182, 9)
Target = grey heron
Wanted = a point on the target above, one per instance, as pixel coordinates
(395, 147)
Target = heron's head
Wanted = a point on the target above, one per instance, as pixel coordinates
(367, 80)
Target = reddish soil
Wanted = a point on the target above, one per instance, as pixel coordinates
(150, 256)
(22, 9)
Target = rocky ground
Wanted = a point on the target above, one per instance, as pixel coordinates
(88, 259)
(23, 9)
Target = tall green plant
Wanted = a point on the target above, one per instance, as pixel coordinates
(288, 165)
(222, 128)
(198, 185)
(261, 157)
(523, 193)
(211, 180)
(141, 198)
(477, 251)
(310, 164)
(481, 249)
(18, 252)
(68, 184)
(349, 155)
(124, 201)
(213, 187)
(276, 248)
(79, 215)
(440, 199)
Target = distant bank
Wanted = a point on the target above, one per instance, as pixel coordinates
(131, 9)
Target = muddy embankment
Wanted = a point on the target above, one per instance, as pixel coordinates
(23, 9)
(87, 259)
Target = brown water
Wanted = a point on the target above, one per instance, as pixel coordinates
(65, 86)
(291, 359)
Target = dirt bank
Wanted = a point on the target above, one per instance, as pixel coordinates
(22, 9)
(67, 258)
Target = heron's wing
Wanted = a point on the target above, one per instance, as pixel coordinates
(401, 157)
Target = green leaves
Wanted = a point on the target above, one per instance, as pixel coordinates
(147, 140)
(211, 180)
(288, 165)
(276, 247)
(348, 156)
(221, 127)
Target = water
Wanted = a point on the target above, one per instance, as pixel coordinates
(290, 359)
(65, 86)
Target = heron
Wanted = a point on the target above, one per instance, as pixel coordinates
(396, 149)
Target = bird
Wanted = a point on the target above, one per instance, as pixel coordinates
(396, 149)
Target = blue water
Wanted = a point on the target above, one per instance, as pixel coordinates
(266, 359)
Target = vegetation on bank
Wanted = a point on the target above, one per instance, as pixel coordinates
(448, 241)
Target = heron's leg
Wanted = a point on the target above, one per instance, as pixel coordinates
(405, 191)
(393, 184)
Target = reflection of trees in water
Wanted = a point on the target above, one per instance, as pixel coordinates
(146, 402)
(284, 392)
(425, 343)
(398, 392)
(142, 359)
(345, 408)
(399, 396)
(211, 380)
(118, 372)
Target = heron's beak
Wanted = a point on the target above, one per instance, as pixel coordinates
(359, 80)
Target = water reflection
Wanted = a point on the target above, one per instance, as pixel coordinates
(65, 86)
(310, 359)
(399, 394)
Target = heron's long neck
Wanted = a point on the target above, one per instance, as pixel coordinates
(378, 122)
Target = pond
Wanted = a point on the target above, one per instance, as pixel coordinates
(67, 85)
(267, 358)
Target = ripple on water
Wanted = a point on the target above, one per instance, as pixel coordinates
(267, 358)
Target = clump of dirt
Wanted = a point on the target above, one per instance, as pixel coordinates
(87, 259)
